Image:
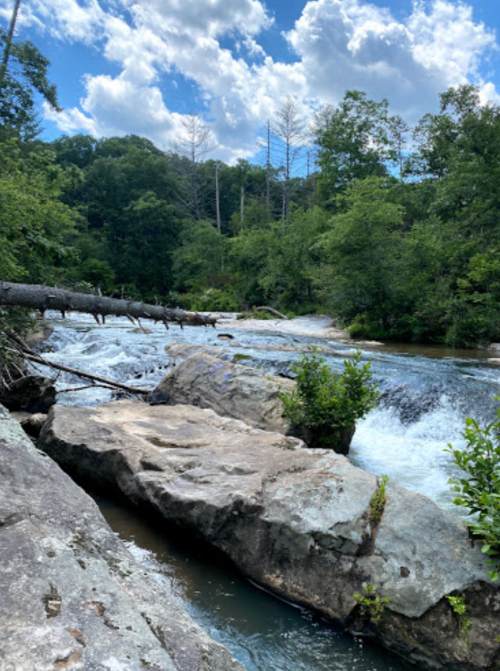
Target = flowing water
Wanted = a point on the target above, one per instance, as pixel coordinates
(426, 395)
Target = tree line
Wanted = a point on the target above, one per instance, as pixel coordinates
(393, 231)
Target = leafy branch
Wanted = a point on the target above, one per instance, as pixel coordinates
(480, 490)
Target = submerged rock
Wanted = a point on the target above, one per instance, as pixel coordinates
(72, 597)
(305, 524)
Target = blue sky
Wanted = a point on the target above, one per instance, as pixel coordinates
(140, 66)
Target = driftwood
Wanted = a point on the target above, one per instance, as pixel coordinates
(272, 311)
(38, 297)
(108, 383)
(27, 353)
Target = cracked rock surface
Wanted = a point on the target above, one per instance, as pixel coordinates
(298, 521)
(72, 597)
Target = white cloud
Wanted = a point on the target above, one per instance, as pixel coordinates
(351, 44)
(336, 45)
(213, 18)
(446, 39)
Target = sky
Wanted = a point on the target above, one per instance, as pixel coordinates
(140, 66)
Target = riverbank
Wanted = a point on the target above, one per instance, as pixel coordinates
(322, 326)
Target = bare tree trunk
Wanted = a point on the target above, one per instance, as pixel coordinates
(8, 41)
(43, 298)
(217, 197)
(242, 207)
(268, 168)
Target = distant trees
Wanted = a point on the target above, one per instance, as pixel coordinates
(354, 142)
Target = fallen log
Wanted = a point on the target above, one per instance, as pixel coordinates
(67, 369)
(267, 308)
(27, 353)
(42, 298)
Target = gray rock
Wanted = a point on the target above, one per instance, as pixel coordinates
(72, 596)
(299, 522)
(31, 393)
(180, 351)
(230, 389)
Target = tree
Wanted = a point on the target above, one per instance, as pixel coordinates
(22, 73)
(290, 126)
(37, 297)
(34, 224)
(194, 144)
(362, 250)
(354, 142)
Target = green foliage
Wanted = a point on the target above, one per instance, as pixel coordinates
(362, 251)
(458, 606)
(377, 502)
(480, 490)
(34, 223)
(371, 605)
(325, 401)
(25, 77)
(209, 300)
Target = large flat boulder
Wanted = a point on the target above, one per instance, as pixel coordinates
(204, 379)
(299, 522)
(72, 597)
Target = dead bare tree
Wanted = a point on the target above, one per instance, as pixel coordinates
(290, 126)
(42, 298)
(195, 142)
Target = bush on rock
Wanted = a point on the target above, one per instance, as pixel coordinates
(325, 404)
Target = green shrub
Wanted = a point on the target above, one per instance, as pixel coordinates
(324, 402)
(371, 605)
(480, 491)
(458, 606)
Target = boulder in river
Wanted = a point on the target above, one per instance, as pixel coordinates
(72, 597)
(305, 524)
(231, 389)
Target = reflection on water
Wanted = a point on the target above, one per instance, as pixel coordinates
(263, 633)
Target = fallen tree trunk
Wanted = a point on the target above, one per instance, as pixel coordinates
(89, 376)
(272, 311)
(38, 297)
(24, 351)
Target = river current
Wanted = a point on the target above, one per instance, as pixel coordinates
(426, 395)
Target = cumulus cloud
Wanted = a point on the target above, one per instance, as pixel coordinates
(214, 18)
(351, 44)
(334, 45)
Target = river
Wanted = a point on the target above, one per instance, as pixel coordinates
(426, 395)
